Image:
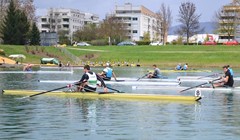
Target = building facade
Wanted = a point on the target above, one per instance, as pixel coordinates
(229, 22)
(139, 20)
(69, 20)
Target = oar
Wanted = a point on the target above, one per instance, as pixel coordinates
(67, 86)
(199, 85)
(142, 77)
(115, 90)
(215, 74)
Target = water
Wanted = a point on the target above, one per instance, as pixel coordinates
(217, 116)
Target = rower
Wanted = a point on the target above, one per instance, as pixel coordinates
(107, 73)
(227, 80)
(89, 80)
(230, 70)
(28, 67)
(155, 74)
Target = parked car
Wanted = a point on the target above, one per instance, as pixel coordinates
(232, 42)
(156, 43)
(126, 43)
(83, 44)
(210, 43)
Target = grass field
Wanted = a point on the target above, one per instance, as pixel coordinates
(163, 56)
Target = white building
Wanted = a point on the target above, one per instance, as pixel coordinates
(69, 20)
(139, 19)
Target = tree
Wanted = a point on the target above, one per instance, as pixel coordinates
(15, 26)
(146, 36)
(114, 28)
(164, 20)
(88, 33)
(8, 26)
(35, 35)
(63, 37)
(189, 20)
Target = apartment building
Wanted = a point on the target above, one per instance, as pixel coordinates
(70, 20)
(139, 20)
(229, 22)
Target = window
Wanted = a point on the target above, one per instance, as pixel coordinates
(135, 18)
(135, 31)
(44, 20)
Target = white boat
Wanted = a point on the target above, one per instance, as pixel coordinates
(38, 72)
(179, 88)
(117, 82)
(200, 78)
(56, 67)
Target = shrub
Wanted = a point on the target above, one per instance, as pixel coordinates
(2, 52)
(143, 42)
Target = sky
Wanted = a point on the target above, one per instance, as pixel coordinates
(206, 8)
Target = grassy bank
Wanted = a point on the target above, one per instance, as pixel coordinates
(34, 53)
(163, 56)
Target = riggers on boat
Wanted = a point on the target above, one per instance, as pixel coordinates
(127, 96)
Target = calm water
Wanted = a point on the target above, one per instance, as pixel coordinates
(217, 116)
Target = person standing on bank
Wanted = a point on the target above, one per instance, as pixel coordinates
(227, 80)
(107, 73)
(89, 80)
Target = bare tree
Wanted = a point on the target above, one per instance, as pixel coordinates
(189, 20)
(164, 20)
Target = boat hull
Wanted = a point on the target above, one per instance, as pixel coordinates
(128, 96)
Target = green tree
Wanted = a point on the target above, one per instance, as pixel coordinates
(15, 26)
(35, 35)
(23, 28)
(146, 36)
(8, 27)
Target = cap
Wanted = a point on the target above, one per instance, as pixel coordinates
(107, 64)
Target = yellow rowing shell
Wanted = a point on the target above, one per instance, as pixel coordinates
(106, 95)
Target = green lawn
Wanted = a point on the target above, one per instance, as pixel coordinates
(163, 56)
(197, 56)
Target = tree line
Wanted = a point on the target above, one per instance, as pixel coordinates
(18, 26)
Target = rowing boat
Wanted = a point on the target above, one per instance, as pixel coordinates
(56, 67)
(117, 82)
(38, 72)
(169, 71)
(130, 96)
(199, 78)
(216, 89)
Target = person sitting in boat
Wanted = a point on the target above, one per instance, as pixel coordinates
(230, 69)
(107, 73)
(227, 80)
(185, 67)
(178, 67)
(156, 73)
(28, 67)
(88, 82)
